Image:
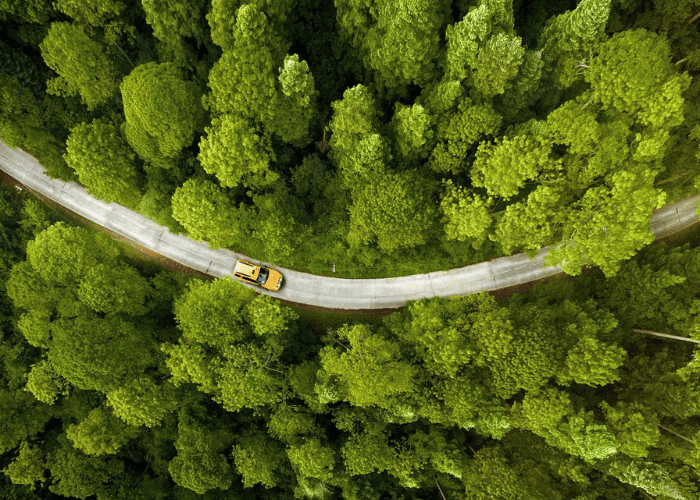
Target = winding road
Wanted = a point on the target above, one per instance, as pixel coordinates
(302, 288)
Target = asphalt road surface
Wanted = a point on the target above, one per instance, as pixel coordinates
(332, 293)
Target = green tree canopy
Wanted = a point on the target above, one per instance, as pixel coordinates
(163, 112)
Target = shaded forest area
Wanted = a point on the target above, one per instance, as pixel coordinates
(125, 383)
(386, 137)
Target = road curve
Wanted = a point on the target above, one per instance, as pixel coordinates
(331, 293)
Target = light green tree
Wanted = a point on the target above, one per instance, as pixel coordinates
(411, 133)
(163, 112)
(569, 38)
(503, 167)
(143, 402)
(236, 154)
(259, 459)
(114, 289)
(45, 384)
(593, 362)
(104, 162)
(82, 65)
(458, 132)
(635, 427)
(100, 433)
(398, 40)
(369, 368)
(466, 216)
(393, 209)
(297, 108)
(28, 467)
(207, 213)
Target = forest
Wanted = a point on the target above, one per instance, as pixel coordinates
(384, 137)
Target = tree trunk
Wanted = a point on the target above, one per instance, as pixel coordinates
(666, 335)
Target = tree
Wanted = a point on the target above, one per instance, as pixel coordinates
(223, 17)
(80, 476)
(45, 383)
(483, 50)
(28, 467)
(354, 117)
(214, 313)
(81, 63)
(297, 105)
(395, 210)
(236, 154)
(199, 465)
(207, 213)
(312, 459)
(568, 38)
(608, 224)
(458, 132)
(143, 402)
(104, 162)
(173, 21)
(466, 216)
(62, 254)
(635, 427)
(114, 289)
(651, 96)
(370, 369)
(92, 12)
(377, 29)
(503, 167)
(23, 416)
(163, 112)
(593, 362)
(247, 379)
(259, 459)
(411, 133)
(99, 353)
(244, 80)
(531, 223)
(100, 433)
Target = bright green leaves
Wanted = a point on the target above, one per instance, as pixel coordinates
(542, 409)
(411, 132)
(483, 49)
(45, 384)
(247, 378)
(457, 133)
(100, 433)
(28, 467)
(497, 64)
(609, 224)
(213, 314)
(466, 217)
(200, 464)
(104, 162)
(593, 362)
(504, 167)
(207, 213)
(163, 111)
(99, 353)
(369, 368)
(297, 104)
(395, 210)
(569, 38)
(231, 344)
(399, 40)
(354, 117)
(114, 289)
(62, 254)
(259, 460)
(236, 154)
(142, 401)
(81, 63)
(635, 428)
(633, 74)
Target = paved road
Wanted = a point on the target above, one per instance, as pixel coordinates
(333, 293)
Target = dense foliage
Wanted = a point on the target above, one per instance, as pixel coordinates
(122, 382)
(382, 136)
